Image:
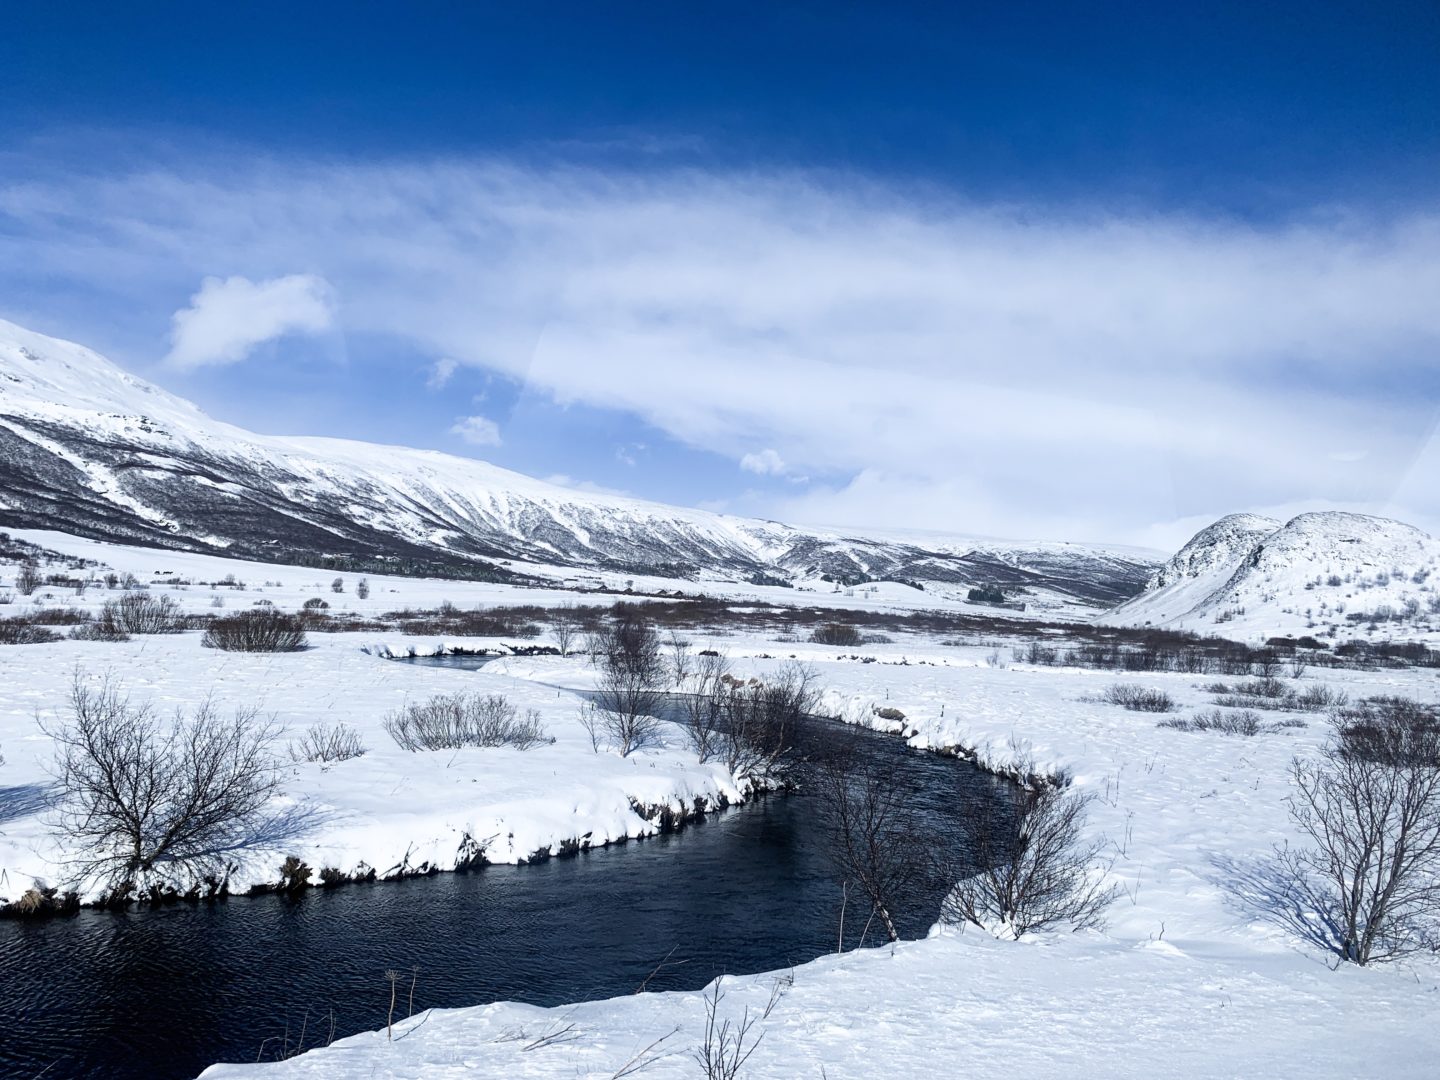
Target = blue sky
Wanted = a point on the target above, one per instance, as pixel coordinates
(1073, 271)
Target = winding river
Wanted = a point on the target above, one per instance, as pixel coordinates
(163, 993)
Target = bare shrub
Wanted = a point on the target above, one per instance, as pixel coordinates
(593, 721)
(564, 627)
(1391, 730)
(1369, 805)
(633, 679)
(679, 661)
(1037, 867)
(452, 721)
(758, 722)
(1138, 698)
(338, 585)
(257, 630)
(1244, 722)
(836, 634)
(143, 613)
(27, 578)
(1318, 697)
(727, 1046)
(315, 603)
(362, 589)
(141, 801)
(875, 838)
(327, 744)
(22, 631)
(704, 705)
(102, 629)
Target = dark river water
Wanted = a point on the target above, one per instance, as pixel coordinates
(163, 993)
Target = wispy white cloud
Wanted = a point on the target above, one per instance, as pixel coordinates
(1006, 370)
(441, 373)
(477, 430)
(766, 463)
(228, 318)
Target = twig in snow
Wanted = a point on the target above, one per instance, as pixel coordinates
(551, 1037)
(644, 1058)
(659, 968)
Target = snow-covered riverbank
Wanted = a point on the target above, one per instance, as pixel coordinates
(390, 811)
(1203, 970)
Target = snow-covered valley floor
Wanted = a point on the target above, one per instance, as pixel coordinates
(1200, 972)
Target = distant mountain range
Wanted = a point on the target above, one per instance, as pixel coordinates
(1327, 574)
(89, 449)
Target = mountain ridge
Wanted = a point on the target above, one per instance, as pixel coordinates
(91, 449)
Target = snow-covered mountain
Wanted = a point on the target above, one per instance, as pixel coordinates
(89, 449)
(1328, 574)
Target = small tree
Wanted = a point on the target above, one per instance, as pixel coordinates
(362, 589)
(1369, 805)
(27, 578)
(633, 679)
(875, 838)
(705, 705)
(1036, 867)
(759, 722)
(338, 585)
(679, 660)
(565, 627)
(140, 801)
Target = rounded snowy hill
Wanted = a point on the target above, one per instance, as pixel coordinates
(1326, 574)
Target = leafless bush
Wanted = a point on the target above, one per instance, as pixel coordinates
(258, 630)
(143, 613)
(758, 721)
(679, 661)
(704, 707)
(836, 634)
(452, 721)
(315, 603)
(362, 589)
(327, 744)
(1038, 868)
(22, 631)
(633, 679)
(1318, 697)
(1244, 722)
(1369, 805)
(1391, 730)
(726, 1047)
(565, 627)
(338, 585)
(137, 799)
(875, 839)
(1138, 698)
(593, 721)
(27, 578)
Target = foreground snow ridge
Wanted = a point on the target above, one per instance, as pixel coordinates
(951, 1006)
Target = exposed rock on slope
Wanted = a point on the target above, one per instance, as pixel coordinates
(87, 448)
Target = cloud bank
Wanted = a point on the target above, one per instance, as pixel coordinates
(1014, 370)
